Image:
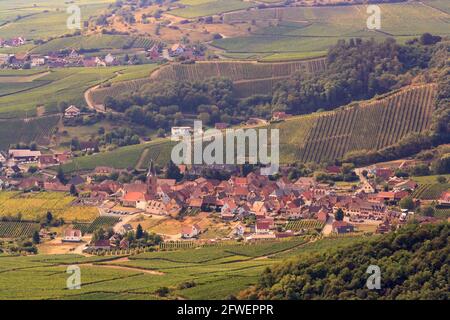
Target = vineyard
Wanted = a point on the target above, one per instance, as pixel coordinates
(10, 229)
(38, 130)
(249, 77)
(94, 42)
(430, 191)
(33, 206)
(104, 222)
(308, 224)
(367, 126)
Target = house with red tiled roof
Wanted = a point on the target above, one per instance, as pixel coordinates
(189, 232)
(340, 227)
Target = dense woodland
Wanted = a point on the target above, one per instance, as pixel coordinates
(414, 264)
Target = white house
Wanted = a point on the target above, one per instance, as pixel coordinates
(109, 59)
(72, 235)
(71, 112)
(190, 232)
(179, 132)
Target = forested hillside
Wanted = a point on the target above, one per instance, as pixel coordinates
(414, 264)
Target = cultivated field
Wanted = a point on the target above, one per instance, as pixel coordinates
(43, 18)
(124, 158)
(38, 130)
(94, 42)
(201, 8)
(249, 77)
(33, 206)
(367, 126)
(430, 191)
(104, 222)
(10, 229)
(21, 99)
(314, 29)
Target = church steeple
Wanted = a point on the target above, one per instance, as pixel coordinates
(151, 171)
(152, 180)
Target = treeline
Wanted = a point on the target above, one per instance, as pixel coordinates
(413, 264)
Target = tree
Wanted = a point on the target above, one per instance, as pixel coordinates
(139, 232)
(60, 175)
(339, 216)
(73, 190)
(49, 217)
(173, 172)
(407, 203)
(441, 179)
(36, 237)
(428, 211)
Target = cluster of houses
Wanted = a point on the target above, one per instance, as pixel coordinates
(13, 42)
(258, 206)
(186, 52)
(57, 60)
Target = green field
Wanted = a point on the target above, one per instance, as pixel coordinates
(10, 229)
(38, 130)
(123, 158)
(94, 42)
(213, 272)
(68, 84)
(201, 8)
(35, 205)
(43, 19)
(430, 191)
(104, 222)
(314, 29)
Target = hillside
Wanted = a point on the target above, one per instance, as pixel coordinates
(370, 125)
(288, 31)
(413, 264)
(367, 125)
(248, 77)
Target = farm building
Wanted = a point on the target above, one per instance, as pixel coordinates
(24, 155)
(71, 112)
(340, 227)
(189, 232)
(72, 235)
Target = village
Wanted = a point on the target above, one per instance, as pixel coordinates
(253, 207)
(76, 57)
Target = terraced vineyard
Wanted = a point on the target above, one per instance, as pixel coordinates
(430, 191)
(249, 77)
(10, 229)
(100, 222)
(367, 126)
(38, 130)
(307, 224)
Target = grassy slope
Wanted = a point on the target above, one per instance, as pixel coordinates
(66, 85)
